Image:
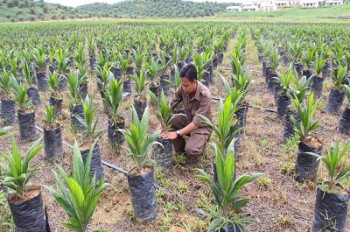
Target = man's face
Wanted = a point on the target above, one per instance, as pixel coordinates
(188, 86)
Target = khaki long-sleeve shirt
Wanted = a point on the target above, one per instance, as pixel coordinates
(199, 104)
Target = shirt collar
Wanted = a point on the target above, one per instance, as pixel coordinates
(198, 90)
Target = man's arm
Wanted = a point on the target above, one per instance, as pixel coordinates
(184, 131)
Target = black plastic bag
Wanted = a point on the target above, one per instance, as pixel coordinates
(162, 154)
(282, 103)
(326, 70)
(306, 165)
(114, 135)
(53, 143)
(83, 90)
(164, 85)
(289, 130)
(317, 85)
(28, 215)
(344, 122)
(33, 95)
(155, 90)
(27, 128)
(96, 165)
(57, 103)
(335, 100)
(307, 73)
(143, 196)
(127, 86)
(330, 211)
(77, 110)
(232, 228)
(271, 81)
(299, 68)
(140, 107)
(242, 115)
(116, 73)
(43, 84)
(8, 112)
(63, 83)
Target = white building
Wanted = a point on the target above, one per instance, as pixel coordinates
(282, 3)
(309, 3)
(334, 2)
(234, 8)
(249, 7)
(267, 6)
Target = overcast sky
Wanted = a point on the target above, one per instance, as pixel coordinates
(82, 2)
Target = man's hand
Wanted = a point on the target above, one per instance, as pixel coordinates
(169, 135)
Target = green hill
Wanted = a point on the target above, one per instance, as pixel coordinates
(154, 9)
(29, 10)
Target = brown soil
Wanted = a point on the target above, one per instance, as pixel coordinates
(313, 142)
(86, 146)
(27, 196)
(27, 111)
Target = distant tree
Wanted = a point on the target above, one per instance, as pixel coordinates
(19, 12)
(32, 18)
(15, 2)
(54, 17)
(32, 11)
(10, 4)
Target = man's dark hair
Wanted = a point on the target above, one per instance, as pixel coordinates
(189, 71)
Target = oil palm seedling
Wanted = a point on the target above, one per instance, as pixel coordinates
(24, 199)
(306, 166)
(141, 177)
(62, 60)
(226, 189)
(75, 104)
(317, 79)
(282, 87)
(162, 151)
(308, 57)
(153, 70)
(127, 70)
(32, 89)
(140, 99)
(138, 59)
(52, 134)
(90, 134)
(82, 70)
(8, 110)
(163, 73)
(202, 62)
(56, 97)
(332, 198)
(78, 194)
(298, 91)
(271, 68)
(40, 65)
(25, 112)
(337, 95)
(112, 99)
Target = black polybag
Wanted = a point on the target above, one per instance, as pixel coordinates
(162, 153)
(8, 112)
(29, 215)
(27, 128)
(114, 135)
(306, 165)
(330, 211)
(143, 196)
(96, 165)
(335, 100)
(53, 143)
(33, 95)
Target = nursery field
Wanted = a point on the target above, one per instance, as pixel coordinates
(93, 74)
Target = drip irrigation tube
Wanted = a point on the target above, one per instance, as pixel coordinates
(252, 106)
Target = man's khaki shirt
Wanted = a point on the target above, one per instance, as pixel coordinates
(199, 104)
